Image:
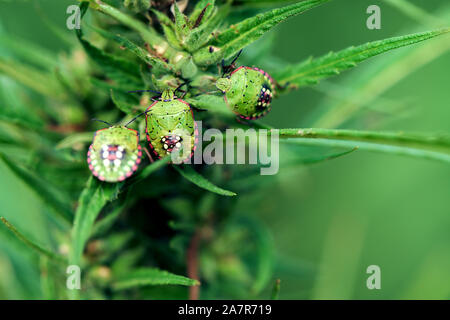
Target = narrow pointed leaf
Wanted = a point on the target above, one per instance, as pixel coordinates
(199, 8)
(147, 33)
(51, 196)
(142, 54)
(181, 23)
(193, 176)
(151, 277)
(94, 197)
(124, 72)
(312, 70)
(39, 249)
(214, 104)
(242, 34)
(436, 147)
(168, 28)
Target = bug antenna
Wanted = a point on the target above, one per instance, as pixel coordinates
(135, 118)
(237, 57)
(181, 85)
(102, 121)
(138, 91)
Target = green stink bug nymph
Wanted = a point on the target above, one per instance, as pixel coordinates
(114, 154)
(171, 128)
(247, 91)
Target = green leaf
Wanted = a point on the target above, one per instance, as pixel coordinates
(201, 35)
(147, 33)
(214, 104)
(50, 195)
(94, 197)
(151, 277)
(148, 170)
(124, 72)
(435, 147)
(199, 8)
(29, 51)
(306, 157)
(34, 79)
(137, 5)
(122, 102)
(312, 70)
(75, 139)
(42, 251)
(155, 62)
(193, 176)
(181, 23)
(108, 221)
(242, 34)
(168, 28)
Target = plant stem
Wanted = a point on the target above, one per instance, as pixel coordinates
(192, 265)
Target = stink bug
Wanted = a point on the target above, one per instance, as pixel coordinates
(114, 154)
(247, 91)
(171, 128)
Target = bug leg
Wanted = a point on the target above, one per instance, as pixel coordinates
(282, 87)
(149, 155)
(243, 121)
(231, 66)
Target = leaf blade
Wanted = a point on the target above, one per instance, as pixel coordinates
(92, 200)
(193, 176)
(151, 276)
(39, 249)
(49, 195)
(436, 147)
(312, 70)
(242, 34)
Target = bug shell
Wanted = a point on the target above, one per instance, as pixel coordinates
(170, 127)
(114, 154)
(250, 93)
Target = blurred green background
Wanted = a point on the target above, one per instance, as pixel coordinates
(329, 221)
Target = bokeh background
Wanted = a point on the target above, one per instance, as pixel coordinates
(332, 220)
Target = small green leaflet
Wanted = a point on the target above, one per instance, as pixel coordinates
(94, 197)
(242, 34)
(436, 147)
(142, 54)
(193, 176)
(312, 70)
(50, 195)
(124, 72)
(151, 276)
(47, 253)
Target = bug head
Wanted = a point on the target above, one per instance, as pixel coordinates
(223, 84)
(167, 95)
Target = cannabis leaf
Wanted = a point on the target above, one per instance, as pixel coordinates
(244, 33)
(151, 276)
(312, 70)
(193, 176)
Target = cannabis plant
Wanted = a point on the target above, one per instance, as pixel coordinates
(169, 230)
